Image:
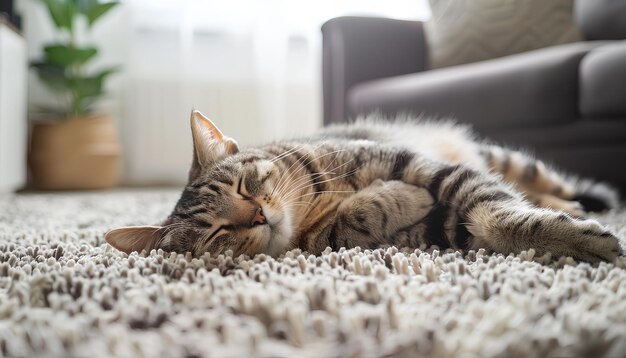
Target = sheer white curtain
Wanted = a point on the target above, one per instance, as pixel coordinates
(252, 66)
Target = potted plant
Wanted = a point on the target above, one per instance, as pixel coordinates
(77, 149)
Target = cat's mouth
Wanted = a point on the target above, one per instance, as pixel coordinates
(279, 230)
(274, 219)
(271, 215)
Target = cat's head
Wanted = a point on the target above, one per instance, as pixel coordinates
(228, 203)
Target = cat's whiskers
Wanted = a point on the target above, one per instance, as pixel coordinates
(310, 208)
(284, 180)
(346, 174)
(291, 201)
(295, 148)
(291, 173)
(303, 180)
(286, 153)
(289, 205)
(312, 176)
(173, 226)
(297, 185)
(325, 192)
(301, 164)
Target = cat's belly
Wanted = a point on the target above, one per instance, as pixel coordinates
(449, 149)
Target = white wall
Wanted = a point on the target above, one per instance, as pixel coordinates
(13, 125)
(254, 67)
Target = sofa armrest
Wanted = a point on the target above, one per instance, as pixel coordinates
(358, 49)
(536, 88)
(603, 82)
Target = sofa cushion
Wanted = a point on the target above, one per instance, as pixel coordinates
(602, 19)
(603, 82)
(536, 88)
(464, 31)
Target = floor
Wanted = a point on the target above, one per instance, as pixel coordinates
(64, 292)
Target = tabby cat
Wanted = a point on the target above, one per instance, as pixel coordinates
(372, 183)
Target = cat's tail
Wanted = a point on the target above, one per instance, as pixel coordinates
(595, 196)
(546, 184)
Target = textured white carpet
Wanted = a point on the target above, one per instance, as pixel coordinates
(63, 292)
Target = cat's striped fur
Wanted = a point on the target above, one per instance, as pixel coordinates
(374, 183)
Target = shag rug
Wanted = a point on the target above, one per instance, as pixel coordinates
(65, 292)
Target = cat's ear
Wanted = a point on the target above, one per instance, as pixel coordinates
(209, 144)
(133, 238)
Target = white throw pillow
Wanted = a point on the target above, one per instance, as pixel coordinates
(464, 31)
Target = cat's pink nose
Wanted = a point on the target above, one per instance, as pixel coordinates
(259, 218)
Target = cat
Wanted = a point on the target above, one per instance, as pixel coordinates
(373, 183)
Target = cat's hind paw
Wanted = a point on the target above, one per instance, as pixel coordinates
(594, 242)
(545, 231)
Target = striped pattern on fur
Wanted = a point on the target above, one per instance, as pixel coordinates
(372, 184)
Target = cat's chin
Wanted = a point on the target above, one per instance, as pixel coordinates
(278, 239)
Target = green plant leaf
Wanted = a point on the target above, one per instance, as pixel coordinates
(84, 5)
(92, 86)
(88, 87)
(62, 68)
(66, 56)
(96, 10)
(87, 104)
(108, 71)
(53, 76)
(62, 12)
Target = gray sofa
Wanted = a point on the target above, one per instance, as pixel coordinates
(565, 103)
